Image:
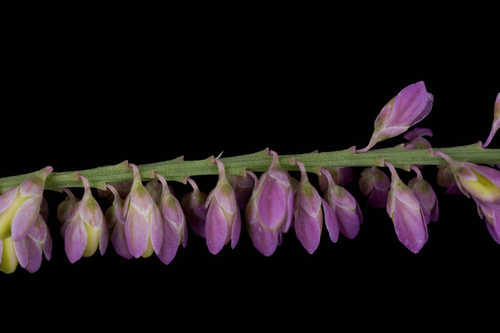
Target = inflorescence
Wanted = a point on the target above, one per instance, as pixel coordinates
(148, 219)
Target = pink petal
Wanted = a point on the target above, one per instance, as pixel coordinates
(272, 204)
(289, 213)
(216, 229)
(119, 242)
(265, 241)
(47, 247)
(75, 240)
(136, 232)
(350, 221)
(331, 221)
(21, 247)
(25, 217)
(171, 242)
(410, 227)
(103, 239)
(157, 230)
(236, 230)
(308, 230)
(35, 256)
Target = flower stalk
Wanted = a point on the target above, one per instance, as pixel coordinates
(179, 169)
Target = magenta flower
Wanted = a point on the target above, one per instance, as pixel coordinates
(115, 218)
(348, 215)
(309, 206)
(26, 251)
(274, 198)
(479, 182)
(375, 185)
(405, 110)
(174, 224)
(143, 221)
(265, 240)
(406, 213)
(194, 209)
(86, 230)
(223, 223)
(20, 206)
(496, 122)
(426, 196)
(243, 186)
(416, 139)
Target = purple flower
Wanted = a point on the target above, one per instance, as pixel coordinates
(20, 206)
(86, 230)
(143, 221)
(223, 223)
(26, 251)
(274, 198)
(174, 224)
(265, 240)
(375, 185)
(416, 139)
(347, 213)
(67, 207)
(479, 182)
(496, 122)
(243, 186)
(405, 110)
(115, 218)
(308, 221)
(426, 196)
(406, 213)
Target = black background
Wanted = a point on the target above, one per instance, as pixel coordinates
(77, 100)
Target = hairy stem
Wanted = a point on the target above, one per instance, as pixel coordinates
(178, 169)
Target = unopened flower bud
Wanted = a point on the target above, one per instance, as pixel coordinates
(479, 182)
(154, 189)
(115, 217)
(20, 206)
(341, 176)
(67, 207)
(274, 198)
(375, 185)
(426, 196)
(174, 224)
(86, 230)
(265, 240)
(243, 186)
(416, 139)
(308, 213)
(405, 110)
(496, 122)
(143, 221)
(446, 179)
(347, 212)
(123, 188)
(223, 223)
(195, 210)
(406, 213)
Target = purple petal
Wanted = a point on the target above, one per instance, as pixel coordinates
(308, 230)
(272, 204)
(265, 241)
(156, 230)
(136, 232)
(22, 254)
(410, 227)
(331, 221)
(185, 236)
(216, 229)
(411, 105)
(171, 242)
(75, 240)
(47, 247)
(24, 218)
(35, 256)
(119, 242)
(378, 199)
(103, 240)
(289, 213)
(7, 198)
(236, 230)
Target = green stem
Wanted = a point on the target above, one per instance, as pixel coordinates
(178, 169)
